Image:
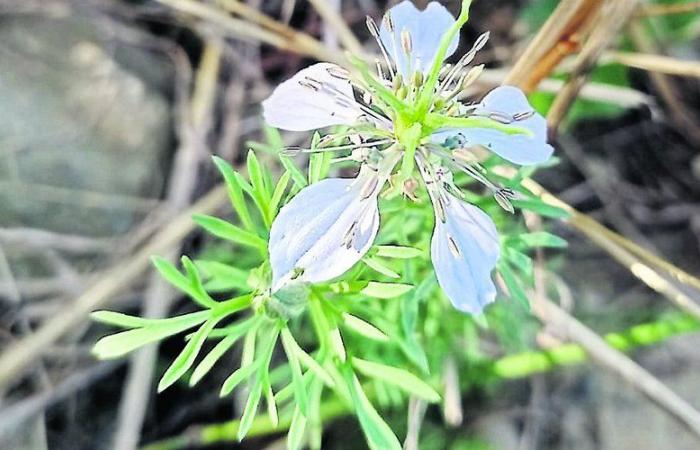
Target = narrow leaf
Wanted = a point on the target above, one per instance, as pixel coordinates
(181, 282)
(228, 231)
(122, 343)
(378, 265)
(297, 175)
(235, 193)
(363, 328)
(297, 380)
(239, 375)
(188, 355)
(398, 377)
(251, 408)
(278, 193)
(377, 432)
(385, 290)
(395, 251)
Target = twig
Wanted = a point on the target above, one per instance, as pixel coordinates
(58, 241)
(618, 363)
(25, 351)
(558, 37)
(610, 22)
(14, 415)
(335, 21)
(654, 63)
(650, 10)
(158, 294)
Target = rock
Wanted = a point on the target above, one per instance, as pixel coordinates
(84, 136)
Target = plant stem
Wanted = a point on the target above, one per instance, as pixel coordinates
(514, 366)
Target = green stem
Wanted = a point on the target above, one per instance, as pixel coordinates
(515, 366)
(426, 95)
(437, 121)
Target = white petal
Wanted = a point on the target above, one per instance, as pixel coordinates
(295, 107)
(464, 251)
(308, 239)
(516, 148)
(426, 28)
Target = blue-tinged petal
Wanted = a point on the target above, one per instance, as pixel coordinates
(505, 102)
(324, 230)
(464, 251)
(426, 28)
(316, 97)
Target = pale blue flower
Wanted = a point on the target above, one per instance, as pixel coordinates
(330, 225)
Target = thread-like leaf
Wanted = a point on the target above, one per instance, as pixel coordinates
(400, 378)
(364, 328)
(385, 290)
(235, 193)
(395, 251)
(228, 231)
(122, 343)
(186, 358)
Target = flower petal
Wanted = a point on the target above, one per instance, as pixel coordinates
(299, 104)
(464, 251)
(309, 238)
(516, 148)
(426, 29)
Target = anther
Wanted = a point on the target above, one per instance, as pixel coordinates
(388, 22)
(397, 82)
(417, 79)
(503, 201)
(523, 115)
(338, 72)
(472, 75)
(406, 41)
(291, 150)
(372, 26)
(501, 117)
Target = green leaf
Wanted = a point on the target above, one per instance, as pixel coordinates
(516, 290)
(196, 283)
(222, 277)
(519, 260)
(378, 265)
(235, 192)
(235, 332)
(363, 328)
(120, 344)
(260, 194)
(186, 358)
(400, 378)
(395, 251)
(290, 344)
(378, 434)
(228, 231)
(238, 375)
(181, 282)
(251, 408)
(297, 380)
(270, 400)
(385, 290)
(542, 239)
(121, 320)
(297, 175)
(278, 193)
(541, 208)
(318, 166)
(295, 435)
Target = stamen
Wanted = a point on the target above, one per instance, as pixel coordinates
(407, 47)
(380, 71)
(339, 73)
(294, 150)
(374, 31)
(523, 115)
(388, 22)
(464, 166)
(503, 201)
(465, 60)
(501, 117)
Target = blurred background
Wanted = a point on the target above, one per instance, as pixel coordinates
(110, 110)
